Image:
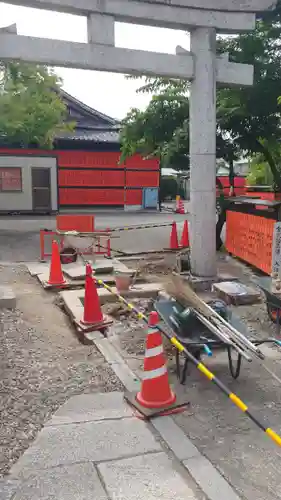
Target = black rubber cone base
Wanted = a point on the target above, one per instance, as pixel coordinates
(179, 405)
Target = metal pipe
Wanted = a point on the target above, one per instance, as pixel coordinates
(235, 332)
(236, 340)
(224, 337)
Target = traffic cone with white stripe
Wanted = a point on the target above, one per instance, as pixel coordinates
(155, 397)
(181, 209)
(155, 390)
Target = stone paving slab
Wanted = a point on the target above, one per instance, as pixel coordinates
(236, 293)
(72, 482)
(8, 488)
(179, 443)
(209, 479)
(73, 299)
(147, 477)
(90, 441)
(7, 298)
(142, 290)
(78, 271)
(85, 407)
(93, 449)
(35, 268)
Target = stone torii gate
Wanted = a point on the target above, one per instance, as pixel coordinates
(203, 18)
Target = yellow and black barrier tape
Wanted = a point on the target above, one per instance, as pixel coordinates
(141, 226)
(201, 367)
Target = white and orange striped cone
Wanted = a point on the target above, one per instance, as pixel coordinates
(181, 209)
(155, 397)
(155, 390)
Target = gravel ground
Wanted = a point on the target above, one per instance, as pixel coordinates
(42, 364)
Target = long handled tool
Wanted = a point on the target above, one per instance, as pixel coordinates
(200, 366)
(217, 324)
(223, 336)
(182, 292)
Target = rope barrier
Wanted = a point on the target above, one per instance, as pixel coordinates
(200, 366)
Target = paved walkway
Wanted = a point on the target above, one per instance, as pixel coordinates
(94, 448)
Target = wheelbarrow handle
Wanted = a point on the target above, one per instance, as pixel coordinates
(207, 350)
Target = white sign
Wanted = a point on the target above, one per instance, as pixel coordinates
(276, 248)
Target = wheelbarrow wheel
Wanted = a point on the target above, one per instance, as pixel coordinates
(273, 313)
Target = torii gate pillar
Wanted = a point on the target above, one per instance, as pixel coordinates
(203, 152)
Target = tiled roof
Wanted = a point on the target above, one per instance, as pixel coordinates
(91, 125)
(95, 135)
(69, 99)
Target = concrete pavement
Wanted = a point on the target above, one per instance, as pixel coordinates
(19, 235)
(111, 219)
(94, 448)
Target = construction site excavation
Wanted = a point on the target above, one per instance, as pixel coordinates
(140, 250)
(105, 318)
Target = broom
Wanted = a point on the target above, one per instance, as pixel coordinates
(188, 298)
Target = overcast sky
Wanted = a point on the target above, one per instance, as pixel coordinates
(109, 93)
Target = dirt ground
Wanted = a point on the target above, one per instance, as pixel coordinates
(42, 364)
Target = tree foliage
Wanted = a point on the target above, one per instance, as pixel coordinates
(248, 119)
(252, 115)
(162, 129)
(31, 110)
(259, 172)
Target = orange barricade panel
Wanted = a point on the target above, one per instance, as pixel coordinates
(91, 196)
(81, 223)
(249, 238)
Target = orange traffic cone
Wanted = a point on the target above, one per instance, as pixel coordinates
(174, 244)
(155, 390)
(92, 309)
(56, 277)
(181, 209)
(155, 397)
(185, 237)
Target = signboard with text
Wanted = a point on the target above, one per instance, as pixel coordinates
(10, 179)
(276, 248)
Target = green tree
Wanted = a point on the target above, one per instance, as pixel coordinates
(31, 110)
(161, 126)
(251, 116)
(259, 173)
(248, 119)
(162, 129)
